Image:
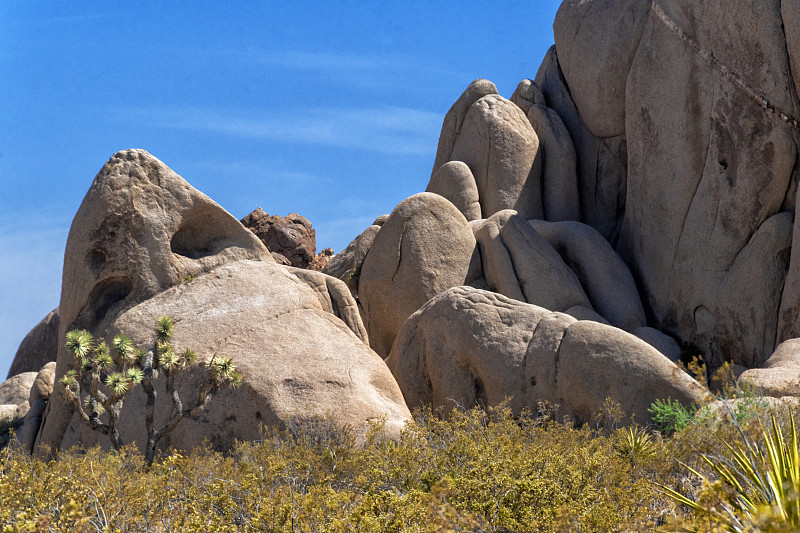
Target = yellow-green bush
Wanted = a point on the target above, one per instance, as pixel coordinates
(468, 471)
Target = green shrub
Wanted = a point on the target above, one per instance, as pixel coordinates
(671, 416)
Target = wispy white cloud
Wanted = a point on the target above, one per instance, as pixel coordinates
(69, 19)
(393, 130)
(375, 64)
(248, 167)
(296, 60)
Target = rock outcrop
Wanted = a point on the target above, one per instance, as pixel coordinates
(291, 240)
(709, 160)
(467, 347)
(636, 196)
(144, 244)
(424, 247)
(40, 346)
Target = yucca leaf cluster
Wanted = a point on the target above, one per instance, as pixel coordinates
(755, 484)
(103, 375)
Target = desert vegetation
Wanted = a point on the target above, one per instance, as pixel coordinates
(469, 470)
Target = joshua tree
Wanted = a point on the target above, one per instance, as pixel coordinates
(102, 376)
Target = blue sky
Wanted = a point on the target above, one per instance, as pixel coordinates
(328, 109)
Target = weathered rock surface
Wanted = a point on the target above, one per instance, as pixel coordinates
(346, 265)
(519, 263)
(596, 42)
(600, 162)
(140, 232)
(528, 94)
(468, 346)
(454, 119)
(334, 296)
(699, 134)
(16, 390)
(750, 295)
(39, 396)
(39, 346)
(298, 360)
(660, 341)
(455, 182)
(560, 193)
(606, 279)
(780, 374)
(424, 247)
(291, 237)
(42, 386)
(498, 144)
(579, 312)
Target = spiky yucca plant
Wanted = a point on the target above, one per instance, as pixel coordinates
(102, 376)
(758, 486)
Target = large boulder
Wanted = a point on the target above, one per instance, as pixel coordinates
(498, 144)
(145, 243)
(600, 162)
(454, 181)
(299, 362)
(141, 229)
(468, 346)
(16, 390)
(518, 263)
(40, 346)
(780, 374)
(596, 42)
(290, 239)
(604, 276)
(424, 247)
(42, 386)
(712, 152)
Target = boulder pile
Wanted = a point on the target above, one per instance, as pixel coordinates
(633, 199)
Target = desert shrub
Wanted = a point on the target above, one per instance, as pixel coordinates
(670, 415)
(471, 470)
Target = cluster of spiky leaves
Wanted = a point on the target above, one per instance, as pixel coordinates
(103, 375)
(752, 484)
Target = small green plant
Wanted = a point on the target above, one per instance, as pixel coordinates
(103, 375)
(188, 278)
(757, 485)
(354, 275)
(671, 416)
